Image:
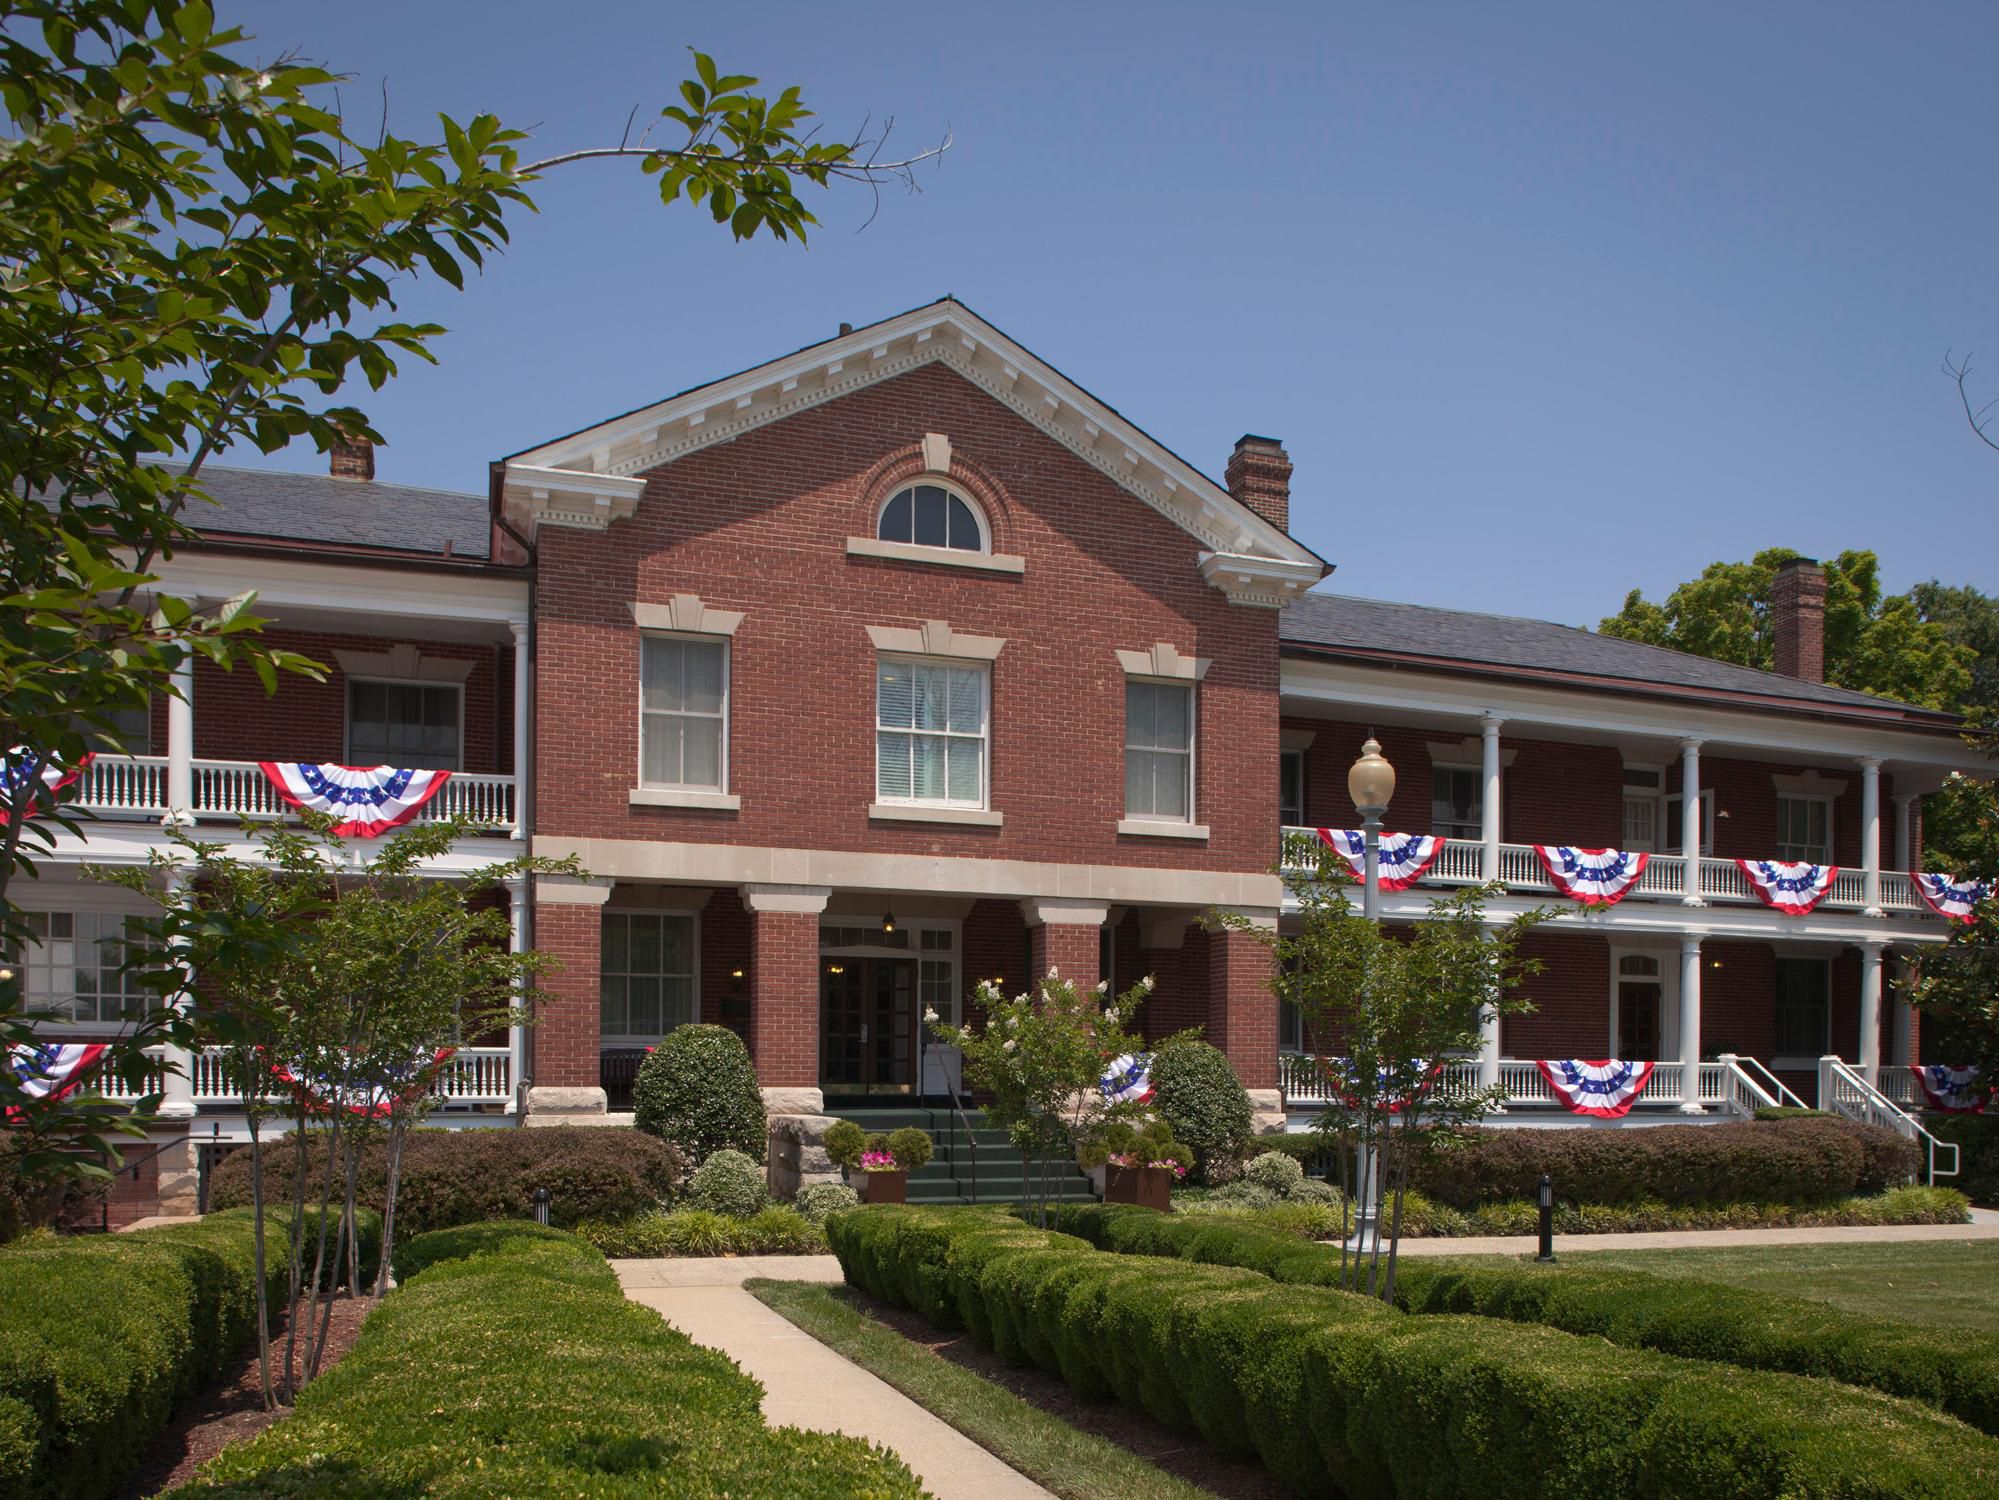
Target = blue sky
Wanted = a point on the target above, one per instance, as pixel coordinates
(1547, 301)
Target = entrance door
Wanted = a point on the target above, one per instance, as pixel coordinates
(1640, 1008)
(867, 1025)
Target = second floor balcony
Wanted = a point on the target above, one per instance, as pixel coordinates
(136, 786)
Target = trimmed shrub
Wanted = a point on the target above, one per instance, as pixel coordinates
(1274, 1171)
(452, 1177)
(698, 1091)
(106, 1334)
(777, 1230)
(818, 1199)
(1197, 1092)
(1795, 1161)
(728, 1182)
(513, 1365)
(1793, 1112)
(845, 1141)
(1339, 1395)
(910, 1147)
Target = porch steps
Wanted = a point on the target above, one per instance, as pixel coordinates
(949, 1177)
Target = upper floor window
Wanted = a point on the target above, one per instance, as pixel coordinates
(1291, 788)
(928, 515)
(931, 733)
(1674, 820)
(72, 968)
(1804, 829)
(683, 712)
(417, 724)
(1643, 787)
(1159, 751)
(1457, 802)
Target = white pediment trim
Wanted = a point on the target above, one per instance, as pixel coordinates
(687, 614)
(935, 638)
(404, 663)
(572, 470)
(1164, 660)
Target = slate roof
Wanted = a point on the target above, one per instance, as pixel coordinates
(260, 504)
(1420, 635)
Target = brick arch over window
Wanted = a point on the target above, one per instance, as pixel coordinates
(912, 465)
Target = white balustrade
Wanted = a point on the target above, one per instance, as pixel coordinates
(1725, 1085)
(471, 1075)
(1458, 861)
(136, 786)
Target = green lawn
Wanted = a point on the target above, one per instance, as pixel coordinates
(1074, 1464)
(1952, 1283)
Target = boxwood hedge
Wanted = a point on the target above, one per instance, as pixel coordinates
(106, 1334)
(509, 1363)
(1339, 1395)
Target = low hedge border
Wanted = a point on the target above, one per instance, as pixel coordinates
(510, 1363)
(1672, 1315)
(107, 1334)
(1339, 1395)
(693, 1231)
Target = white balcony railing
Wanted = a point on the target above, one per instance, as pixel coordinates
(1462, 862)
(135, 786)
(1725, 1085)
(471, 1075)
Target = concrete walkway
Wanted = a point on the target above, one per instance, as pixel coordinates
(805, 1383)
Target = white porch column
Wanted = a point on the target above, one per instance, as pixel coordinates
(1870, 845)
(1488, 807)
(1690, 827)
(1870, 1012)
(180, 745)
(1690, 1024)
(1904, 829)
(517, 942)
(177, 1084)
(1902, 1053)
(1488, 1042)
(520, 630)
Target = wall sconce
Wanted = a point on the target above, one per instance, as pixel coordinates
(736, 980)
(1714, 963)
(888, 922)
(836, 968)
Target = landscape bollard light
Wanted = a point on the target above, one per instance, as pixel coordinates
(1547, 1254)
(541, 1205)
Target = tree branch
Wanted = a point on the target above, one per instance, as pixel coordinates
(1960, 372)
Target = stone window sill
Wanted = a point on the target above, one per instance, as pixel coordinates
(902, 812)
(943, 557)
(664, 796)
(1151, 829)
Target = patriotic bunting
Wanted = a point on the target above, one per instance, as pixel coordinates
(22, 766)
(1951, 898)
(373, 1097)
(1606, 1089)
(369, 800)
(1595, 877)
(1792, 888)
(1403, 856)
(1954, 1091)
(51, 1070)
(1345, 1082)
(1128, 1079)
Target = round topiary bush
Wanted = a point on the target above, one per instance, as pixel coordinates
(910, 1147)
(845, 1141)
(1311, 1190)
(728, 1182)
(698, 1090)
(1201, 1098)
(1275, 1171)
(819, 1199)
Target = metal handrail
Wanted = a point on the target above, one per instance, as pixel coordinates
(1876, 1108)
(958, 1109)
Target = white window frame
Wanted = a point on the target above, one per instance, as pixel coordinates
(1672, 814)
(984, 669)
(1477, 774)
(1793, 1062)
(1668, 980)
(1652, 794)
(82, 901)
(979, 518)
(347, 710)
(1145, 822)
(727, 645)
(630, 1039)
(1824, 856)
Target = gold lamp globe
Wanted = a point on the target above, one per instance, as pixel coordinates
(1371, 780)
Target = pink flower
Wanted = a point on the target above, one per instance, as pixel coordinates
(878, 1161)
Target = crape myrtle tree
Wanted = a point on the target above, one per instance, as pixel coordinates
(198, 251)
(1395, 1006)
(334, 980)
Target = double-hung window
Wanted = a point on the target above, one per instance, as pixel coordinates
(1804, 1008)
(684, 712)
(646, 974)
(1159, 751)
(73, 968)
(1804, 829)
(1457, 802)
(414, 724)
(932, 733)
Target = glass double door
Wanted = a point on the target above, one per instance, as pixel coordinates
(868, 1018)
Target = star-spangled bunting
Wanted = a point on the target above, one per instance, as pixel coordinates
(51, 1070)
(1344, 1082)
(1595, 877)
(1128, 1079)
(372, 1097)
(1791, 888)
(1953, 899)
(1953, 1091)
(1605, 1088)
(1403, 856)
(368, 800)
(22, 768)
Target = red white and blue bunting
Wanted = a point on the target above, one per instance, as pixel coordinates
(1128, 1079)
(1953, 899)
(1791, 888)
(1403, 856)
(1595, 877)
(50, 1070)
(1345, 1083)
(371, 1097)
(368, 800)
(1606, 1089)
(23, 771)
(1953, 1091)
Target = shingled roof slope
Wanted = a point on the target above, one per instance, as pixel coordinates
(255, 504)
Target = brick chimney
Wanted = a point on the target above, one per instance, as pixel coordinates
(1259, 475)
(1797, 619)
(352, 458)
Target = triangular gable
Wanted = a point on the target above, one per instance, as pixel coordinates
(593, 477)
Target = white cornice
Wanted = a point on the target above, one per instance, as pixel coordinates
(1268, 582)
(688, 614)
(569, 497)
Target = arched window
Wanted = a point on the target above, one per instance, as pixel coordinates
(928, 515)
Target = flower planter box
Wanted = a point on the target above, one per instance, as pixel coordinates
(1149, 1187)
(884, 1187)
